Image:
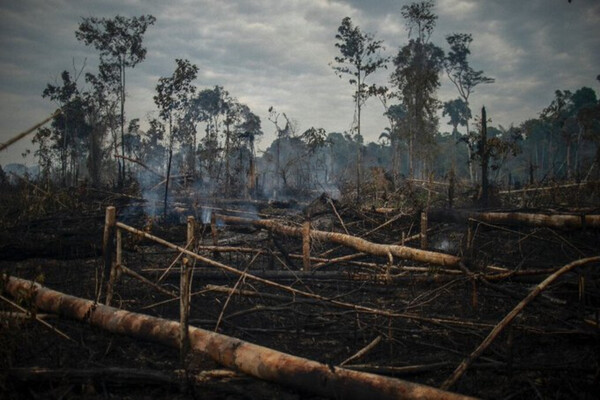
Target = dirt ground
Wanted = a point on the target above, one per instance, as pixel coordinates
(550, 351)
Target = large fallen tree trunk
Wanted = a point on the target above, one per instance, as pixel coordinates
(261, 362)
(384, 250)
(559, 221)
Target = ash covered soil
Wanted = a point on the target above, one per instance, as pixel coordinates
(550, 351)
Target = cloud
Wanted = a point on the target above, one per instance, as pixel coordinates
(276, 53)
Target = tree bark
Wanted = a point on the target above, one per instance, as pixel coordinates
(356, 243)
(258, 361)
(108, 245)
(306, 245)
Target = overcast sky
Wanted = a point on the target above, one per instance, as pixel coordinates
(277, 53)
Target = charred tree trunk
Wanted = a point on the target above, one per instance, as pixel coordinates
(261, 362)
(484, 153)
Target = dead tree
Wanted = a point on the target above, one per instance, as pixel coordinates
(258, 361)
(383, 250)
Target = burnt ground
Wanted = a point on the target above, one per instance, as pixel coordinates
(551, 351)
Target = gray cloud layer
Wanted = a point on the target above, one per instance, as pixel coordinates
(276, 53)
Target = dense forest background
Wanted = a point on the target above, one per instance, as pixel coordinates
(205, 139)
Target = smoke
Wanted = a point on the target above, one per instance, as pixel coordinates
(153, 204)
(206, 215)
(331, 190)
(443, 245)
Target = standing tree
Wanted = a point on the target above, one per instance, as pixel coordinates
(459, 113)
(247, 130)
(119, 41)
(282, 134)
(173, 99)
(315, 139)
(416, 75)
(559, 115)
(463, 76)
(69, 130)
(572, 114)
(359, 59)
(212, 107)
(101, 100)
(396, 115)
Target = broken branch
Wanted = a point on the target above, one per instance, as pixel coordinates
(460, 370)
(352, 241)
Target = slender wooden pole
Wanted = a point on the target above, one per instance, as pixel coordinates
(306, 245)
(110, 220)
(424, 230)
(191, 236)
(184, 309)
(119, 249)
(115, 268)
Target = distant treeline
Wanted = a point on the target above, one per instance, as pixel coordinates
(206, 137)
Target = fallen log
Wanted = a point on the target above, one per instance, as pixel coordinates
(258, 361)
(558, 221)
(383, 250)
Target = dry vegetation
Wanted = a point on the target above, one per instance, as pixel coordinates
(390, 315)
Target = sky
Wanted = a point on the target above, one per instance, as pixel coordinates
(278, 53)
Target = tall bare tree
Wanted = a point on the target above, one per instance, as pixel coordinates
(359, 57)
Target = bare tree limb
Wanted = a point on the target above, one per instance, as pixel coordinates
(466, 363)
